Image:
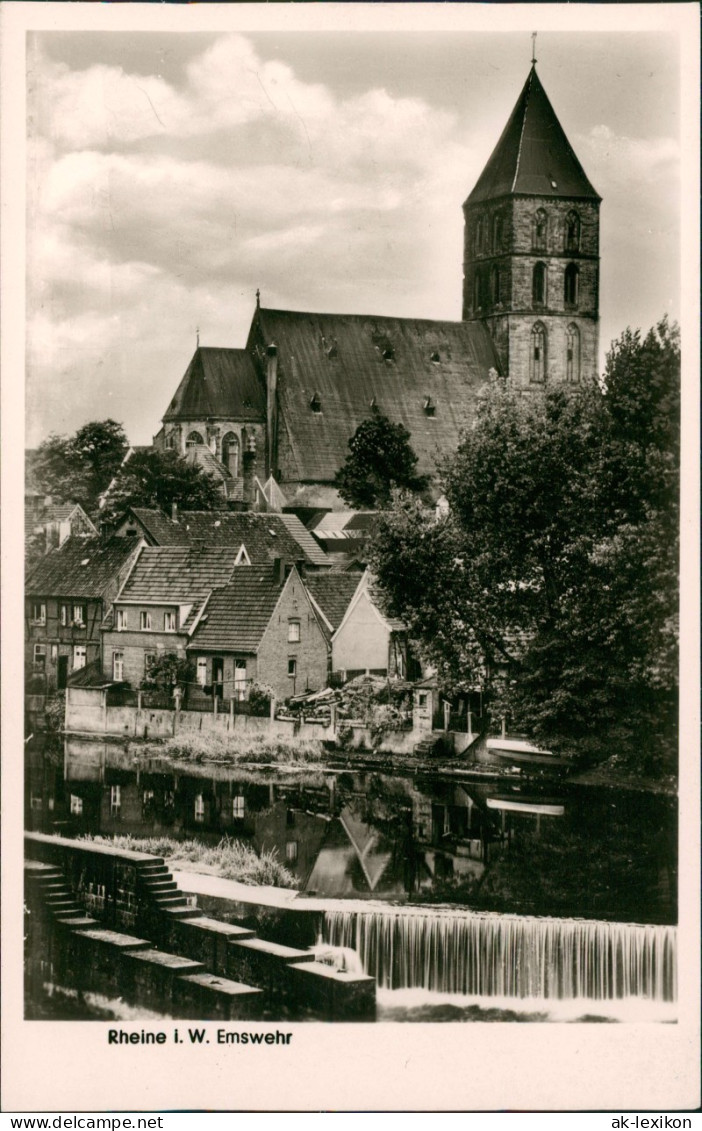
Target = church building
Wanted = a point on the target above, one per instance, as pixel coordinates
(272, 421)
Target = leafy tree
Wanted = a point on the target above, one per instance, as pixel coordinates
(158, 479)
(79, 468)
(168, 670)
(380, 459)
(552, 582)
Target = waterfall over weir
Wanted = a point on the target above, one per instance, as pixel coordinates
(493, 955)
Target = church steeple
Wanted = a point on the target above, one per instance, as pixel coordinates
(532, 248)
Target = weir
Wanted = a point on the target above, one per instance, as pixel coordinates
(509, 956)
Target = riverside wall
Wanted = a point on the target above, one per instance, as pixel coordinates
(87, 712)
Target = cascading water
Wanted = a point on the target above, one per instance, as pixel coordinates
(509, 956)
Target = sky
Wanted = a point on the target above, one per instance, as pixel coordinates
(170, 175)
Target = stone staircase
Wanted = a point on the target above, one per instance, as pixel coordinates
(427, 746)
(198, 967)
(161, 890)
(57, 896)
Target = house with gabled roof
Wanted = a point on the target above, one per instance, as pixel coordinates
(48, 524)
(261, 627)
(159, 604)
(263, 537)
(362, 639)
(68, 593)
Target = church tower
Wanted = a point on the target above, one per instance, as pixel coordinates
(531, 250)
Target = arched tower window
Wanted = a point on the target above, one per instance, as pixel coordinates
(495, 295)
(571, 284)
(479, 231)
(230, 453)
(538, 284)
(573, 353)
(572, 231)
(194, 439)
(477, 291)
(537, 360)
(540, 231)
(497, 233)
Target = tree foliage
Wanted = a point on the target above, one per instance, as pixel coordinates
(79, 468)
(552, 582)
(168, 670)
(380, 460)
(159, 479)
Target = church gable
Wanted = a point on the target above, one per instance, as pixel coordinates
(335, 371)
(219, 384)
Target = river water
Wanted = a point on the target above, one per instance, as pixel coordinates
(475, 861)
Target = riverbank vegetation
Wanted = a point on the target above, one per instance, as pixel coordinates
(231, 859)
(255, 749)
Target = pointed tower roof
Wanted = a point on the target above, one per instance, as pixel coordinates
(533, 155)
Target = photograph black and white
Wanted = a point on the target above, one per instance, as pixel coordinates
(350, 606)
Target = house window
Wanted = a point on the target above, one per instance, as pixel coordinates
(79, 656)
(38, 614)
(238, 808)
(145, 622)
(230, 454)
(292, 666)
(537, 361)
(199, 808)
(291, 851)
(239, 678)
(573, 353)
(78, 617)
(293, 632)
(35, 801)
(169, 622)
(570, 288)
(76, 805)
(202, 670)
(540, 231)
(115, 800)
(194, 440)
(40, 655)
(118, 666)
(149, 661)
(54, 653)
(122, 620)
(572, 232)
(63, 615)
(538, 284)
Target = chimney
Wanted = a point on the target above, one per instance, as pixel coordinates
(272, 404)
(249, 472)
(279, 570)
(174, 512)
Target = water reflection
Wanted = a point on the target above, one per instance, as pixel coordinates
(502, 844)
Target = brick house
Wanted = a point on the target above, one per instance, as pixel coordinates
(159, 605)
(68, 593)
(260, 627)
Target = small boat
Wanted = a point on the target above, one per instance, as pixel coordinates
(519, 750)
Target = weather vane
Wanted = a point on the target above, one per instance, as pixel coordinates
(533, 48)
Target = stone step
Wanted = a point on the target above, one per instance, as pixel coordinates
(147, 871)
(153, 887)
(76, 921)
(169, 899)
(182, 912)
